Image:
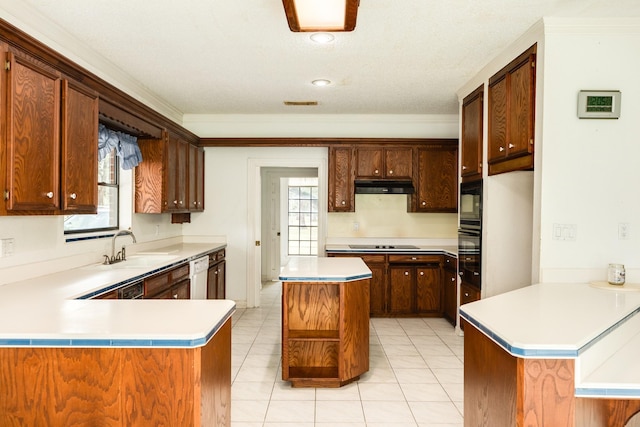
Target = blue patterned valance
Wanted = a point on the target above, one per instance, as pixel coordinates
(126, 146)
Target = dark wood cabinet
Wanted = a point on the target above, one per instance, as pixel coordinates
(165, 176)
(216, 275)
(511, 115)
(450, 289)
(471, 141)
(341, 191)
(384, 162)
(196, 178)
(378, 289)
(171, 284)
(415, 284)
(436, 179)
(51, 140)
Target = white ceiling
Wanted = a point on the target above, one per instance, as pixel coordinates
(239, 57)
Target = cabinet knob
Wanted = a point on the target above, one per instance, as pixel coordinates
(376, 172)
(180, 202)
(422, 273)
(501, 149)
(475, 273)
(175, 296)
(195, 203)
(453, 279)
(466, 294)
(391, 172)
(49, 195)
(406, 273)
(464, 168)
(73, 196)
(413, 258)
(343, 203)
(175, 202)
(424, 203)
(511, 145)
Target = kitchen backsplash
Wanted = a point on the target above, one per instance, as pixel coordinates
(386, 216)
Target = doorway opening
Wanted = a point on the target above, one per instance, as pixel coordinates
(268, 185)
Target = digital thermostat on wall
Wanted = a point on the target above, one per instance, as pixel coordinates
(599, 104)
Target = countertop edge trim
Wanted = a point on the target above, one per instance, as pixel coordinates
(325, 279)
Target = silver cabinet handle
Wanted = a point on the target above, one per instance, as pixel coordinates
(50, 195)
(475, 273)
(413, 258)
(73, 196)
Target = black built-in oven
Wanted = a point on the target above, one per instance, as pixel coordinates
(470, 233)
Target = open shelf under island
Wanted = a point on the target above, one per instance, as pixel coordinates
(325, 321)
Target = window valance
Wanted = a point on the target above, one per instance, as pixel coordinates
(126, 146)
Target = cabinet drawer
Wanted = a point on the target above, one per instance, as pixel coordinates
(368, 258)
(158, 283)
(179, 273)
(468, 293)
(421, 259)
(216, 256)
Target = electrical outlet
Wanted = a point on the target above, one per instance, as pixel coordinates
(356, 226)
(6, 247)
(566, 232)
(623, 231)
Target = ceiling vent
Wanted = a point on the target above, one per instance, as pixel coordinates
(300, 103)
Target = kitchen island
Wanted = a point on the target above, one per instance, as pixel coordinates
(325, 321)
(562, 355)
(67, 360)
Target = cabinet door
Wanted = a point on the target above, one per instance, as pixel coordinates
(341, 195)
(79, 170)
(521, 97)
(398, 163)
(471, 151)
(196, 178)
(378, 290)
(401, 289)
(151, 176)
(221, 280)
(428, 289)
(369, 162)
(497, 120)
(32, 135)
(437, 186)
(450, 292)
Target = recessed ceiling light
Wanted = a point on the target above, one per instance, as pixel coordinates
(322, 37)
(321, 82)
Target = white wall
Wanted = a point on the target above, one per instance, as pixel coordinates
(590, 173)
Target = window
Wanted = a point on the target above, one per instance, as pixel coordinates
(108, 189)
(303, 216)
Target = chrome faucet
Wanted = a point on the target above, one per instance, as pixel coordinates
(120, 256)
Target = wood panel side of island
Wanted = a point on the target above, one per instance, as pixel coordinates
(117, 386)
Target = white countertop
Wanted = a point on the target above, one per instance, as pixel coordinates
(550, 320)
(320, 269)
(49, 311)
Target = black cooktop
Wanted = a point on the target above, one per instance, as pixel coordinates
(383, 247)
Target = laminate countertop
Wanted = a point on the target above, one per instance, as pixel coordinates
(599, 327)
(321, 269)
(55, 310)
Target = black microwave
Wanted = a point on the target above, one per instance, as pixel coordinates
(471, 205)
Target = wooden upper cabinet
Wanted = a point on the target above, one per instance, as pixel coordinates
(471, 144)
(511, 115)
(32, 122)
(79, 149)
(341, 191)
(163, 180)
(437, 179)
(52, 140)
(196, 178)
(384, 163)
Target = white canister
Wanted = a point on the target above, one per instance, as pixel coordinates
(615, 274)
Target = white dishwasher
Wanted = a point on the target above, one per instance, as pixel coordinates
(198, 269)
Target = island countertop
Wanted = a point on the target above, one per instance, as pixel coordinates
(321, 269)
(49, 311)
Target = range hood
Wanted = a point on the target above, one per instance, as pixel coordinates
(383, 186)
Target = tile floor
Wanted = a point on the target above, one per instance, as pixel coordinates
(415, 376)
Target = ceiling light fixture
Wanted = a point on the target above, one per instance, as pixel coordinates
(322, 37)
(321, 82)
(321, 15)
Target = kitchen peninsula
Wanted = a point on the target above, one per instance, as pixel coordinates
(66, 360)
(562, 355)
(325, 321)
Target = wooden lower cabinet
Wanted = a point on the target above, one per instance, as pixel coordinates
(325, 332)
(171, 284)
(61, 387)
(450, 289)
(216, 275)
